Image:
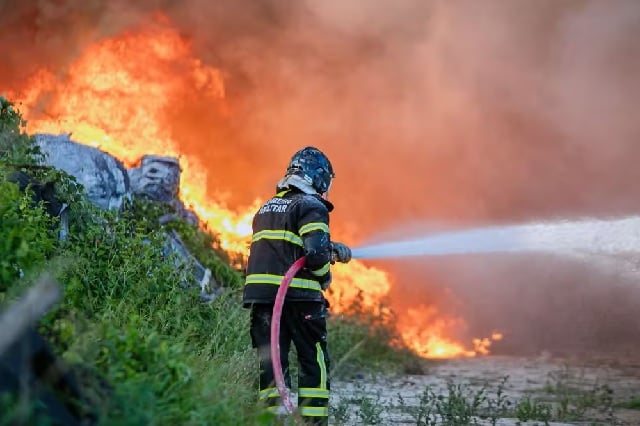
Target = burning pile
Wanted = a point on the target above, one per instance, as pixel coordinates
(120, 94)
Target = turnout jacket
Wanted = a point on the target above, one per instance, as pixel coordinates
(290, 225)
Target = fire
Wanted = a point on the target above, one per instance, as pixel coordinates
(423, 328)
(115, 96)
(364, 285)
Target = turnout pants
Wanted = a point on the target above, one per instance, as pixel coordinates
(304, 324)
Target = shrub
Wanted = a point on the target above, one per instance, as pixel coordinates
(26, 234)
(16, 147)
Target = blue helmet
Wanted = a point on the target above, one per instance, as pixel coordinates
(313, 166)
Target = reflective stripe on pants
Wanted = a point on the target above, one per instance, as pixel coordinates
(304, 324)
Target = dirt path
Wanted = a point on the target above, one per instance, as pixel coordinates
(565, 391)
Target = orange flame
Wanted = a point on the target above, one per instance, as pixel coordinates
(114, 96)
(429, 340)
(365, 285)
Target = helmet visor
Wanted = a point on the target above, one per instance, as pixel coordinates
(325, 195)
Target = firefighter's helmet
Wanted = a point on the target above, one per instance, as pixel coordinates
(313, 166)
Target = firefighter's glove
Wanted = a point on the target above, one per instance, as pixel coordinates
(340, 253)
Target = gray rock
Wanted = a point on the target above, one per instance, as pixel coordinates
(182, 213)
(157, 178)
(189, 216)
(175, 247)
(104, 178)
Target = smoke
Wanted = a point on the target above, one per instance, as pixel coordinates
(458, 112)
(51, 33)
(540, 303)
(570, 287)
(466, 111)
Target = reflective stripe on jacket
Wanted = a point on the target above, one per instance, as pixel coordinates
(290, 225)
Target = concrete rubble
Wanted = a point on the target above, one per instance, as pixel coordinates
(110, 185)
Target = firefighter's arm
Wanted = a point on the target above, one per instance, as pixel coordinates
(314, 230)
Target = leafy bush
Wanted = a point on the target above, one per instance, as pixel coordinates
(25, 230)
(16, 147)
(26, 236)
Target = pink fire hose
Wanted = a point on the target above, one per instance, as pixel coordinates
(275, 333)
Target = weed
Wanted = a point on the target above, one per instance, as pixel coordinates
(631, 404)
(424, 414)
(460, 405)
(340, 413)
(370, 410)
(497, 406)
(575, 397)
(530, 409)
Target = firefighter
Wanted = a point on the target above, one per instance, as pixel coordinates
(292, 224)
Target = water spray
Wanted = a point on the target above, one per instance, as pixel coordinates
(571, 238)
(586, 237)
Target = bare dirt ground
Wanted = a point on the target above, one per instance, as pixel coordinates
(544, 390)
